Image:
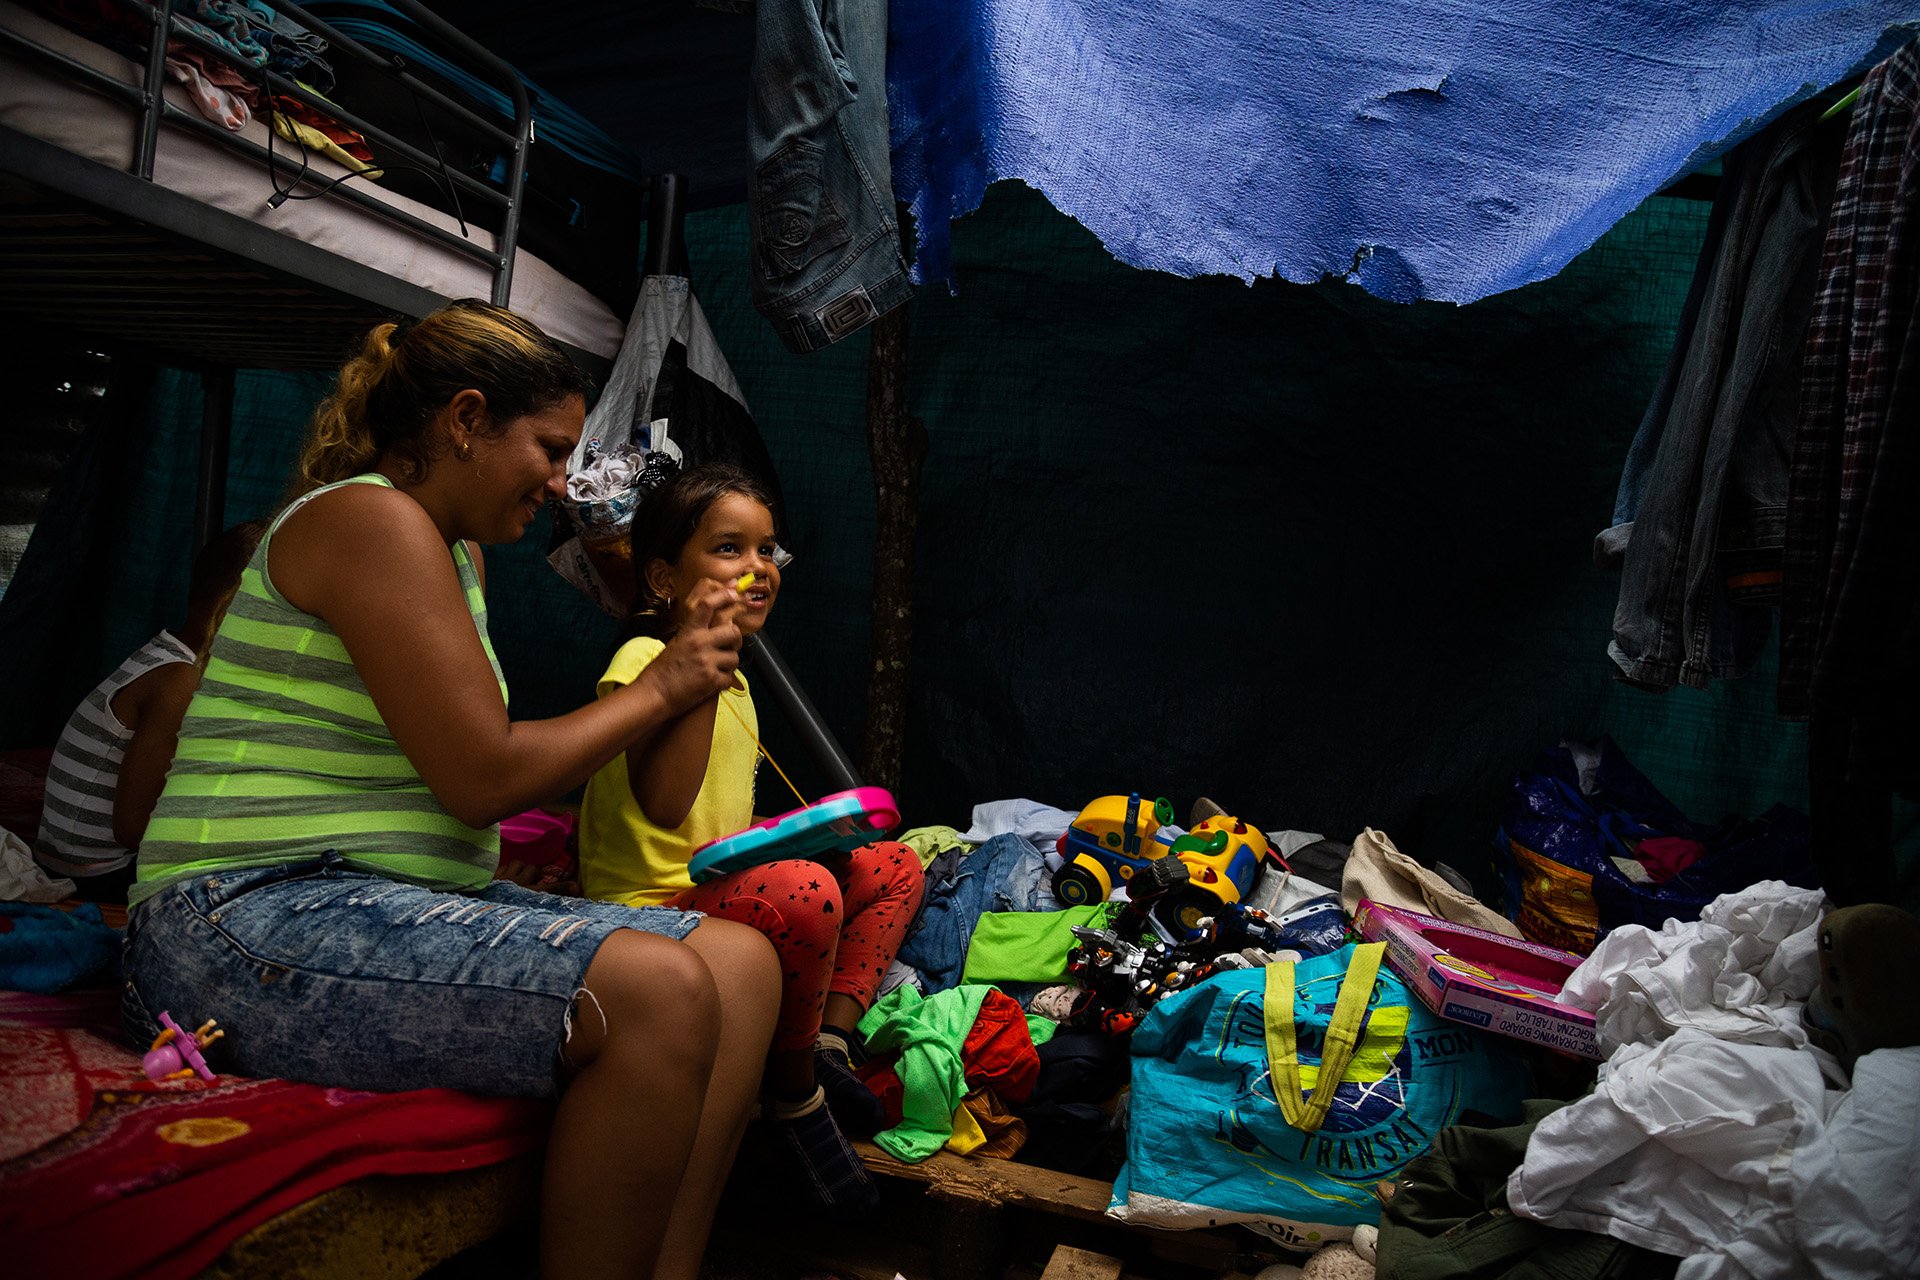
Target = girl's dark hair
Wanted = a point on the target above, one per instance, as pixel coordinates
(385, 397)
(667, 517)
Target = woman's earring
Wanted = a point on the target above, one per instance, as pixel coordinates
(463, 451)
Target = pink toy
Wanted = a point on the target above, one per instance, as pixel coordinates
(536, 838)
(178, 1053)
(1483, 979)
(536, 850)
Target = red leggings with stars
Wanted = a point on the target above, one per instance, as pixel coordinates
(836, 931)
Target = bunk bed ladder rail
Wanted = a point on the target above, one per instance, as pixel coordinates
(517, 142)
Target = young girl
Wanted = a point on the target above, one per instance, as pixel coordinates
(835, 924)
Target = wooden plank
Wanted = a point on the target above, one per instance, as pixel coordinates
(1069, 1263)
(974, 1190)
(1002, 1182)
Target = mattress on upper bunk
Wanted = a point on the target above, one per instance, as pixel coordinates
(38, 102)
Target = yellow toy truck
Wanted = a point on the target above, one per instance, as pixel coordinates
(1113, 839)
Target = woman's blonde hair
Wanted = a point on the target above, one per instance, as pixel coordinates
(386, 396)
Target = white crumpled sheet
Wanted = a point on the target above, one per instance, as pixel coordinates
(24, 880)
(1742, 972)
(1715, 1132)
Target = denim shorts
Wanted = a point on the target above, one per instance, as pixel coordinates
(339, 977)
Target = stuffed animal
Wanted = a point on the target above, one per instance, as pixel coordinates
(1337, 1262)
(1347, 1260)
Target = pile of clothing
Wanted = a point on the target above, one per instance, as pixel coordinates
(1757, 1112)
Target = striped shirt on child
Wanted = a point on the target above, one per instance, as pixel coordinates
(76, 827)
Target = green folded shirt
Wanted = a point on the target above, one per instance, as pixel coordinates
(1029, 946)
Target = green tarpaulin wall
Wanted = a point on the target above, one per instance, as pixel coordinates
(1320, 557)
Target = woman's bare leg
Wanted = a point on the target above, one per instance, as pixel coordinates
(644, 1047)
(747, 973)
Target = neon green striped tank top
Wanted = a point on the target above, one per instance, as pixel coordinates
(283, 755)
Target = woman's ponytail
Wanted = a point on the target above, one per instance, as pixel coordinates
(341, 441)
(386, 398)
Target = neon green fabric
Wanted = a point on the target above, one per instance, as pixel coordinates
(283, 756)
(1029, 946)
(1336, 1052)
(928, 1033)
(931, 842)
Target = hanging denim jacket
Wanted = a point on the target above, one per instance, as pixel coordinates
(826, 248)
(1701, 514)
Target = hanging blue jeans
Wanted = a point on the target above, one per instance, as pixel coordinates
(1703, 500)
(826, 244)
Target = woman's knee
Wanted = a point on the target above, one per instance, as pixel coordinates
(741, 960)
(648, 991)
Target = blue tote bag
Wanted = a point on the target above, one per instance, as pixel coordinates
(1208, 1141)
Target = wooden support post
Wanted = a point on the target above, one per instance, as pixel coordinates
(972, 1235)
(897, 444)
(1069, 1263)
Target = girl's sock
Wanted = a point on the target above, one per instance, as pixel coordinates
(836, 1040)
(854, 1106)
(833, 1171)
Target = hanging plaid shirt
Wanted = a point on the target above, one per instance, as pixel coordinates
(1851, 573)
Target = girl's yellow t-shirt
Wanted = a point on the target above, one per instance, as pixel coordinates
(625, 858)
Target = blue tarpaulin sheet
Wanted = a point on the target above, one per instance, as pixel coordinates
(1446, 149)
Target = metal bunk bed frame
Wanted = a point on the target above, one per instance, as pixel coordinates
(75, 228)
(65, 258)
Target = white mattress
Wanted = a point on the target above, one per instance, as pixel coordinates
(38, 102)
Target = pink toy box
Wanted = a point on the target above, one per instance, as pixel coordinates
(1482, 979)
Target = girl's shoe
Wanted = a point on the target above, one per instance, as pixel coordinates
(831, 1169)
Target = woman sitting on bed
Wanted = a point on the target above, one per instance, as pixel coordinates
(318, 871)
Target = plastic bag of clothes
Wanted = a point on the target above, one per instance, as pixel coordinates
(1588, 844)
(1314, 927)
(593, 544)
(1284, 1124)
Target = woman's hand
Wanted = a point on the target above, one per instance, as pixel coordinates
(700, 660)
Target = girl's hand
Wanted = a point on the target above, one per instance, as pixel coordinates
(700, 660)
